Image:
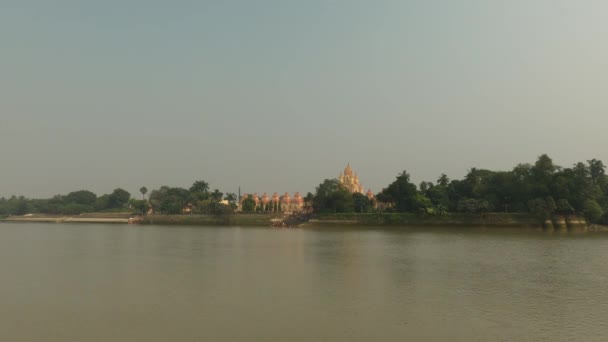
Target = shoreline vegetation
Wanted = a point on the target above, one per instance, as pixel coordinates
(490, 220)
(538, 195)
(124, 218)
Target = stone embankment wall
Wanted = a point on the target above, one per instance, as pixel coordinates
(489, 220)
(412, 219)
(566, 223)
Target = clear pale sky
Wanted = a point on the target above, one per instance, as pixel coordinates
(278, 95)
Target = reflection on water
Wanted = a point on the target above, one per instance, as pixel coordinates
(154, 283)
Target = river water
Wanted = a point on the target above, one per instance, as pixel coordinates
(154, 283)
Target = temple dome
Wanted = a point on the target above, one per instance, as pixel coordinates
(348, 171)
(350, 180)
(298, 198)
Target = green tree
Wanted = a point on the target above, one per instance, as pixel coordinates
(593, 211)
(143, 190)
(200, 190)
(74, 209)
(472, 205)
(543, 209)
(199, 186)
(564, 207)
(83, 197)
(230, 197)
(140, 206)
(211, 207)
(102, 203)
(3, 207)
(171, 201)
(219, 209)
(439, 196)
(401, 194)
(248, 205)
(424, 204)
(156, 197)
(174, 200)
(443, 180)
(425, 186)
(20, 206)
(543, 167)
(332, 197)
(361, 203)
(118, 198)
(597, 170)
(309, 198)
(216, 195)
(543, 172)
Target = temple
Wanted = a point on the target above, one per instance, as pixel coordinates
(275, 203)
(350, 180)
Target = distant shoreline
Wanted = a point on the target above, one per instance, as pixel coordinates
(66, 220)
(122, 218)
(490, 220)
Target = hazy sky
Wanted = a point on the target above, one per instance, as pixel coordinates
(278, 95)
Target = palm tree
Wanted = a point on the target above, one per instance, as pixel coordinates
(443, 180)
(230, 197)
(199, 186)
(596, 169)
(143, 191)
(216, 195)
(473, 177)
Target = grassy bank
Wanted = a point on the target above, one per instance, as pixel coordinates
(514, 220)
(499, 220)
(412, 219)
(210, 220)
(114, 217)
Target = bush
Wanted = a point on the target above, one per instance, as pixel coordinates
(75, 209)
(140, 206)
(592, 210)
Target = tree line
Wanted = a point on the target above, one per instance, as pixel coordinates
(74, 203)
(542, 189)
(198, 199)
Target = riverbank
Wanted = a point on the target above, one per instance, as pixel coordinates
(211, 220)
(120, 218)
(489, 220)
(407, 219)
(412, 219)
(597, 228)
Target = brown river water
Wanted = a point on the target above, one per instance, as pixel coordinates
(74, 282)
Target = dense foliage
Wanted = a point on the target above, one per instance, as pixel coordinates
(165, 200)
(332, 197)
(74, 203)
(196, 200)
(542, 189)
